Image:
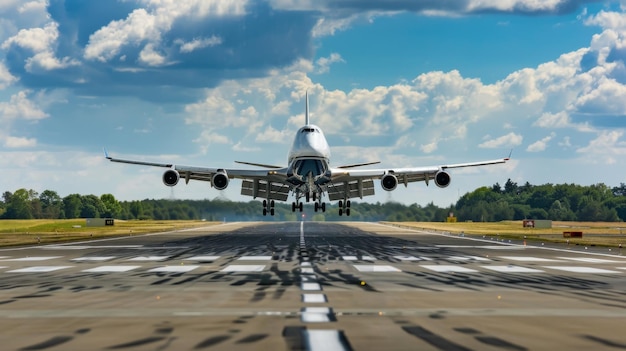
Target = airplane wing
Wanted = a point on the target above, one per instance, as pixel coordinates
(346, 184)
(256, 182)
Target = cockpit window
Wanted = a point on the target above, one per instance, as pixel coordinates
(309, 130)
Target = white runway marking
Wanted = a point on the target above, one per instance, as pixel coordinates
(110, 269)
(310, 287)
(581, 269)
(407, 258)
(591, 260)
(33, 258)
(528, 259)
(202, 258)
(314, 298)
(486, 247)
(449, 268)
(513, 269)
(307, 270)
(315, 314)
(308, 278)
(149, 258)
(467, 258)
(243, 268)
(349, 258)
(254, 258)
(375, 268)
(368, 258)
(93, 258)
(323, 340)
(39, 269)
(305, 264)
(173, 269)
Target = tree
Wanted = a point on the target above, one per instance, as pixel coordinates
(52, 204)
(112, 207)
(72, 205)
(18, 205)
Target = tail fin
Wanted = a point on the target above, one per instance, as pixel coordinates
(306, 112)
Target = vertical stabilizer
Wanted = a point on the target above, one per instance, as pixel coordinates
(306, 112)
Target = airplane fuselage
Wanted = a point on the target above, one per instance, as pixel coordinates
(308, 161)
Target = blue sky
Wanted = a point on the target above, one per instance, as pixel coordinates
(205, 82)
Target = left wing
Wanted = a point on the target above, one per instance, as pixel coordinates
(346, 184)
(256, 182)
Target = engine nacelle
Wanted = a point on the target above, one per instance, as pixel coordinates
(442, 179)
(389, 182)
(171, 177)
(220, 180)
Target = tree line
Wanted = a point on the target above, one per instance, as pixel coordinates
(566, 202)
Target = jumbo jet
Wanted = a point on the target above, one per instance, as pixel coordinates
(308, 175)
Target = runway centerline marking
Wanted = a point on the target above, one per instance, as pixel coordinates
(582, 269)
(449, 268)
(375, 268)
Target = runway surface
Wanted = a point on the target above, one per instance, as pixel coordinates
(310, 286)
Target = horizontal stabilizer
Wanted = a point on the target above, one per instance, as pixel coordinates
(359, 165)
(258, 164)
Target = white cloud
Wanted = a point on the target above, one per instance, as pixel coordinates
(198, 43)
(19, 142)
(151, 57)
(540, 145)
(508, 140)
(324, 63)
(6, 78)
(606, 148)
(20, 107)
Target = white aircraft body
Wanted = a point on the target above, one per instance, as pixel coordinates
(308, 175)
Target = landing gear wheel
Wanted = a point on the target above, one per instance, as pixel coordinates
(300, 207)
(348, 203)
(341, 211)
(308, 197)
(323, 207)
(271, 211)
(272, 203)
(347, 211)
(293, 207)
(340, 203)
(265, 211)
(316, 206)
(265, 203)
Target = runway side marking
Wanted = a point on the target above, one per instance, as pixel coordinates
(590, 260)
(512, 269)
(581, 269)
(202, 258)
(376, 268)
(486, 247)
(32, 258)
(39, 269)
(173, 269)
(149, 258)
(243, 268)
(254, 258)
(110, 269)
(325, 340)
(314, 298)
(93, 258)
(449, 268)
(529, 259)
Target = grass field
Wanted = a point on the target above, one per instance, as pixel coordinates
(594, 233)
(47, 231)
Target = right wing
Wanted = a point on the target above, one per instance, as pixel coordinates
(266, 184)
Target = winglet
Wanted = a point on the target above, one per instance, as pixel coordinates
(306, 112)
(106, 153)
(510, 153)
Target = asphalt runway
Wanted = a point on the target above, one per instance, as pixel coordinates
(310, 286)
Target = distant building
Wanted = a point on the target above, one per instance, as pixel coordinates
(100, 222)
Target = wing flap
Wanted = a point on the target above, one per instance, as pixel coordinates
(259, 188)
(357, 188)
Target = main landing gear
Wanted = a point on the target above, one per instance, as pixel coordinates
(320, 206)
(344, 206)
(268, 206)
(296, 206)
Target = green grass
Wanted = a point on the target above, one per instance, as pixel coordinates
(46, 231)
(609, 234)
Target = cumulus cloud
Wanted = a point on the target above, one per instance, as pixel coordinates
(197, 43)
(508, 140)
(21, 107)
(540, 145)
(19, 142)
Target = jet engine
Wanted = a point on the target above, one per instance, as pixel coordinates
(220, 180)
(171, 177)
(442, 179)
(389, 182)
